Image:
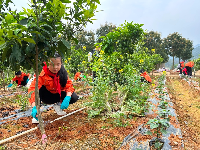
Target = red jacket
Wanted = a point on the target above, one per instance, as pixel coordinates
(146, 76)
(190, 64)
(21, 78)
(77, 76)
(48, 82)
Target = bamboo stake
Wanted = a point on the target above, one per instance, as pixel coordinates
(18, 135)
(30, 130)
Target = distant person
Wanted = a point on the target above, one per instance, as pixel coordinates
(144, 76)
(189, 66)
(20, 78)
(78, 76)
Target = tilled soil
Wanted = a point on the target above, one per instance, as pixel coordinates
(187, 99)
(79, 132)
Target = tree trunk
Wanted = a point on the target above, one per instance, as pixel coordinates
(173, 63)
(179, 60)
(1, 78)
(4, 86)
(37, 98)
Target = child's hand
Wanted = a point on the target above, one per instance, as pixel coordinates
(65, 102)
(34, 113)
(10, 85)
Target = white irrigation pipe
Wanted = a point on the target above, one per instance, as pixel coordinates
(30, 130)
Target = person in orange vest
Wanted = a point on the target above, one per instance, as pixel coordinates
(77, 76)
(21, 79)
(189, 66)
(144, 76)
(54, 86)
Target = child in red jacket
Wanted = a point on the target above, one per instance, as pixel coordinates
(55, 87)
(77, 76)
(20, 78)
(144, 76)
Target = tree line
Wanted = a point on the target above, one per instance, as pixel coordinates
(173, 45)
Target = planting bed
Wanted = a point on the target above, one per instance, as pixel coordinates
(78, 132)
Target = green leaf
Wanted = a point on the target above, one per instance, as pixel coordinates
(163, 131)
(2, 46)
(75, 40)
(149, 133)
(17, 31)
(1, 32)
(66, 43)
(29, 40)
(23, 21)
(36, 32)
(88, 2)
(65, 1)
(47, 27)
(16, 53)
(152, 126)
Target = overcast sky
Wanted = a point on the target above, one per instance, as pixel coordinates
(164, 16)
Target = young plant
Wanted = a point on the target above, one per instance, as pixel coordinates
(160, 126)
(22, 100)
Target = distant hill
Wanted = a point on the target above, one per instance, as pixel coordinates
(195, 54)
(196, 45)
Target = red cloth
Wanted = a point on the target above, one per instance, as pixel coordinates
(55, 78)
(185, 70)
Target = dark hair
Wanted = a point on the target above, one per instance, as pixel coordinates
(18, 73)
(142, 70)
(62, 72)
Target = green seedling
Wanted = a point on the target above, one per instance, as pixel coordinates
(159, 125)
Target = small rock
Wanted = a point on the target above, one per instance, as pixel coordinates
(25, 126)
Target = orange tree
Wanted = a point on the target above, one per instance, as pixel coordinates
(118, 90)
(30, 37)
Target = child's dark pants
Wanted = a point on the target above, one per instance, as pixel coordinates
(49, 98)
(24, 81)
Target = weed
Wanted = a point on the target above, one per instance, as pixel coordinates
(22, 100)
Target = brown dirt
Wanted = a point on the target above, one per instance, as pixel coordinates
(79, 132)
(186, 100)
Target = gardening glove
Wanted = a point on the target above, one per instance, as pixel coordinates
(65, 102)
(10, 85)
(27, 80)
(34, 113)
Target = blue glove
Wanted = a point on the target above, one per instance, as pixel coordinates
(65, 102)
(27, 80)
(34, 113)
(10, 85)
